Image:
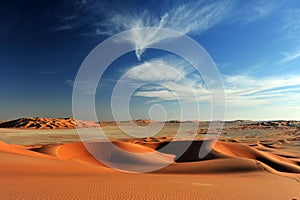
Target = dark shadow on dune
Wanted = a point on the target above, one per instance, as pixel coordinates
(191, 154)
(14, 123)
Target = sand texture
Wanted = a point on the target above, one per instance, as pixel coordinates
(239, 167)
(231, 171)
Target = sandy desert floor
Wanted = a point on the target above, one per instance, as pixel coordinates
(247, 162)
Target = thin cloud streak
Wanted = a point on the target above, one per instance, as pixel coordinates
(255, 10)
(291, 27)
(289, 57)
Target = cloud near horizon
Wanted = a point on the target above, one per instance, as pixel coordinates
(240, 90)
(172, 79)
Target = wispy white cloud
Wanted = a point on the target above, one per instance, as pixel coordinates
(64, 27)
(69, 82)
(188, 17)
(291, 26)
(85, 87)
(80, 14)
(240, 90)
(289, 57)
(245, 91)
(170, 91)
(254, 10)
(171, 79)
(192, 17)
(177, 81)
(168, 68)
(154, 72)
(162, 94)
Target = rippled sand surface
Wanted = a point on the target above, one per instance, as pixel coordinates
(247, 161)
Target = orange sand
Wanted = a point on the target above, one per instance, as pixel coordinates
(48, 123)
(230, 171)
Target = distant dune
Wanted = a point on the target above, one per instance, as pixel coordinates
(270, 125)
(69, 123)
(47, 123)
(143, 121)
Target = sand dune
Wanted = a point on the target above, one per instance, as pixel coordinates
(47, 123)
(232, 170)
(274, 161)
(237, 157)
(215, 163)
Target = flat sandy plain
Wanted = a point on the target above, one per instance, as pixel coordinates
(250, 160)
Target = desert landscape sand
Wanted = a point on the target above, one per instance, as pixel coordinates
(47, 123)
(249, 161)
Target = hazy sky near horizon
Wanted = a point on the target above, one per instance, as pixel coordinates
(255, 45)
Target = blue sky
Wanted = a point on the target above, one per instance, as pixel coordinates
(255, 45)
